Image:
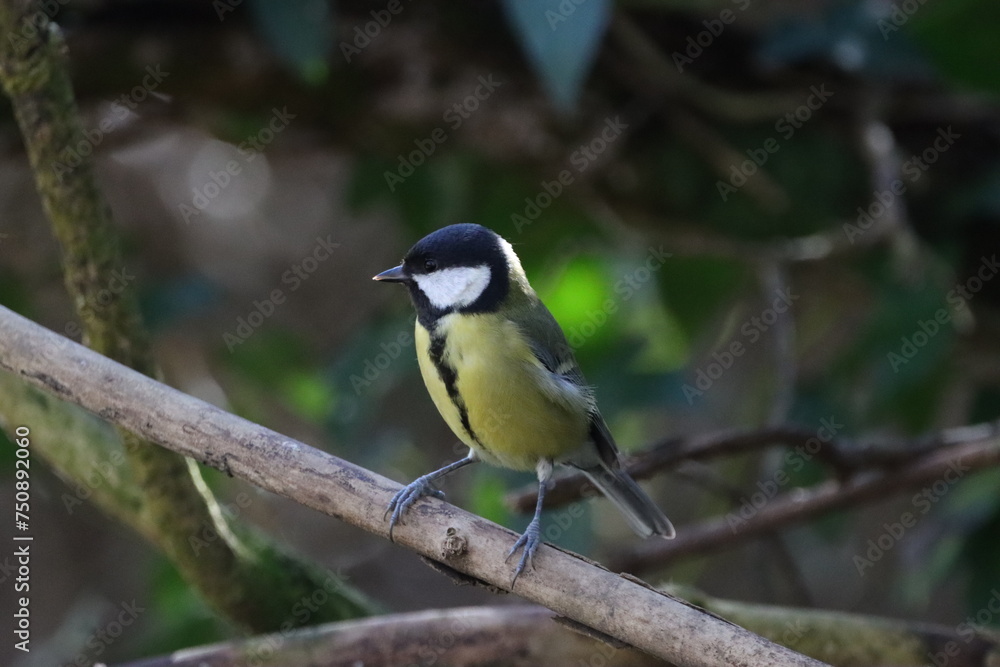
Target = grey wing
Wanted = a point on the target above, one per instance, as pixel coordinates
(550, 347)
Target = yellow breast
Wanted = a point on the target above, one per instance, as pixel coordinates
(515, 412)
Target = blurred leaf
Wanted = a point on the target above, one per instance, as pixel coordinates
(367, 185)
(308, 394)
(267, 356)
(182, 617)
(301, 32)
(665, 346)
(277, 365)
(486, 496)
(818, 175)
(821, 175)
(560, 38)
(972, 58)
(696, 288)
(901, 357)
(577, 296)
(975, 501)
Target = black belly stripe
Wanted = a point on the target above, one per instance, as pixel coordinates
(449, 376)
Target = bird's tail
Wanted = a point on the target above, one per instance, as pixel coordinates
(642, 513)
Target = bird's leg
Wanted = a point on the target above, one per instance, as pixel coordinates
(421, 486)
(531, 539)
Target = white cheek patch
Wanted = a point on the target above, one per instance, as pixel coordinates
(456, 287)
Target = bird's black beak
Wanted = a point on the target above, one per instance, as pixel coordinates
(393, 275)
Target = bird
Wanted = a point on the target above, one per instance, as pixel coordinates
(501, 372)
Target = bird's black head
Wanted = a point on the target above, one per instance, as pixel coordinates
(460, 268)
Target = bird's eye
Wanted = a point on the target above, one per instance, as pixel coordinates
(430, 265)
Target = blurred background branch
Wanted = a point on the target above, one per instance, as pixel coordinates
(847, 457)
(775, 511)
(523, 636)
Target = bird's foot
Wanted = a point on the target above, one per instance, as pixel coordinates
(409, 494)
(529, 541)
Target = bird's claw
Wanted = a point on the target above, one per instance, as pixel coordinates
(408, 495)
(529, 541)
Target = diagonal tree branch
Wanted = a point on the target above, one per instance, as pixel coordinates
(623, 608)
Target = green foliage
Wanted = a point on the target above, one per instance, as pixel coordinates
(275, 363)
(969, 61)
(486, 496)
(182, 617)
(695, 289)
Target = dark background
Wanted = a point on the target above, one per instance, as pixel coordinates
(825, 105)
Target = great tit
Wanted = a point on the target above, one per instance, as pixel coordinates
(501, 373)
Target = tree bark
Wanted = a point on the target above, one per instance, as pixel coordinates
(622, 607)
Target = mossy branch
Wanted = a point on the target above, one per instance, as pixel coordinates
(248, 582)
(522, 635)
